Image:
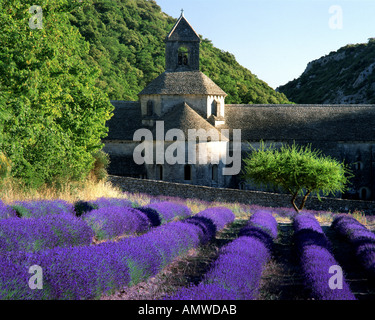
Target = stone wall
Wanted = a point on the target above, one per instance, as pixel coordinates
(153, 187)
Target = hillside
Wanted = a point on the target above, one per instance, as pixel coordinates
(127, 43)
(343, 76)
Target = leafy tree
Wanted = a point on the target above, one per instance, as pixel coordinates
(298, 170)
(56, 115)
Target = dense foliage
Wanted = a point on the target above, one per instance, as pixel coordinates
(52, 116)
(297, 170)
(127, 43)
(343, 76)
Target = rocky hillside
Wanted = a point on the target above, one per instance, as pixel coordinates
(343, 76)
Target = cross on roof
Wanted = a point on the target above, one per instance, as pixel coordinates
(182, 12)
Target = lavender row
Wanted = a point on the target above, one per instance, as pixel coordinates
(170, 210)
(41, 208)
(42, 233)
(361, 239)
(114, 218)
(316, 259)
(236, 273)
(111, 222)
(87, 272)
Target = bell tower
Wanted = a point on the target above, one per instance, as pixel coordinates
(182, 47)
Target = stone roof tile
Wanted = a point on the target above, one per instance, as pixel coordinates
(184, 82)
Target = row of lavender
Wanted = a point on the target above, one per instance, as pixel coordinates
(361, 239)
(36, 225)
(87, 272)
(316, 260)
(236, 273)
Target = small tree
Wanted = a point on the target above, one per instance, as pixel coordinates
(297, 170)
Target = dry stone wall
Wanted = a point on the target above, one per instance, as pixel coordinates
(186, 191)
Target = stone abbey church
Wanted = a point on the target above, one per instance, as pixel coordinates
(184, 98)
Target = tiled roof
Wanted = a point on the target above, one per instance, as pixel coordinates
(184, 82)
(302, 122)
(183, 117)
(127, 118)
(319, 123)
(182, 31)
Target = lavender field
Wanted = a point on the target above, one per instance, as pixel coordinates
(139, 247)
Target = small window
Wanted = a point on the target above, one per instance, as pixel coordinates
(159, 172)
(187, 172)
(183, 56)
(215, 172)
(150, 107)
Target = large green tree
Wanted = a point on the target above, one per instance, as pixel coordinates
(52, 114)
(297, 170)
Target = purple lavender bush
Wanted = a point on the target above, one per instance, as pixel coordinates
(361, 239)
(220, 216)
(111, 222)
(81, 207)
(316, 259)
(35, 234)
(40, 208)
(170, 210)
(87, 272)
(6, 211)
(236, 273)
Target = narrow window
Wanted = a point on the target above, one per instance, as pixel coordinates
(183, 56)
(215, 172)
(159, 172)
(363, 194)
(214, 108)
(150, 107)
(187, 172)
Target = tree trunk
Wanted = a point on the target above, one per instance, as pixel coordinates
(294, 202)
(304, 200)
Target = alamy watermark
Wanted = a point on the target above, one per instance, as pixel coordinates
(336, 281)
(212, 146)
(36, 280)
(36, 21)
(336, 21)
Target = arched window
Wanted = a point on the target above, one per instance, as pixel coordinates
(242, 185)
(215, 172)
(159, 172)
(358, 165)
(183, 56)
(150, 107)
(187, 172)
(364, 193)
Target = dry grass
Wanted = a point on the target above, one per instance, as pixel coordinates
(89, 190)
